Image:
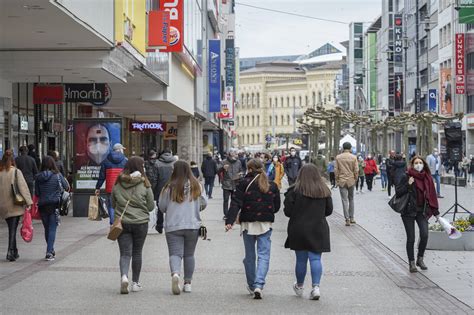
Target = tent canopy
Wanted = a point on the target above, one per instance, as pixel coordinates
(283, 146)
(348, 138)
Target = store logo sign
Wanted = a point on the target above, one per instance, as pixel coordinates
(460, 64)
(147, 126)
(48, 94)
(398, 38)
(176, 30)
(214, 75)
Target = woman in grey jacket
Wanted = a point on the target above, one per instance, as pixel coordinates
(180, 201)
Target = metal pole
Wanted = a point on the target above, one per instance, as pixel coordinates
(417, 44)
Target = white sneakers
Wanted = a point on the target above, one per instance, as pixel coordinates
(298, 290)
(137, 287)
(249, 289)
(258, 294)
(315, 294)
(175, 287)
(124, 285)
(187, 288)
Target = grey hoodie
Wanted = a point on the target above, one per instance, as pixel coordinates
(180, 216)
(165, 166)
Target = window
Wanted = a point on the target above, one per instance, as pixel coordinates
(270, 120)
(281, 102)
(248, 99)
(314, 98)
(193, 29)
(248, 138)
(300, 101)
(258, 138)
(270, 102)
(258, 120)
(470, 103)
(253, 100)
(253, 121)
(238, 121)
(294, 101)
(282, 120)
(248, 120)
(470, 61)
(253, 139)
(288, 119)
(258, 100)
(276, 102)
(288, 101)
(320, 97)
(276, 120)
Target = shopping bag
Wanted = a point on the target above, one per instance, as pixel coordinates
(93, 213)
(35, 214)
(27, 227)
(153, 219)
(103, 211)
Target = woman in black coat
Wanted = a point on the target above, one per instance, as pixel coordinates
(307, 204)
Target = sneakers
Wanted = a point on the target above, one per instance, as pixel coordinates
(124, 285)
(137, 287)
(348, 222)
(298, 290)
(187, 288)
(175, 288)
(49, 257)
(352, 221)
(249, 289)
(257, 294)
(315, 294)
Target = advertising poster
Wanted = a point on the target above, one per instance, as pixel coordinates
(207, 142)
(171, 132)
(460, 64)
(433, 96)
(176, 29)
(446, 90)
(93, 141)
(214, 75)
(398, 91)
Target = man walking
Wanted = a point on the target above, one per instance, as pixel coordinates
(110, 169)
(389, 168)
(434, 162)
(232, 173)
(165, 166)
(347, 172)
(209, 171)
(27, 165)
(292, 166)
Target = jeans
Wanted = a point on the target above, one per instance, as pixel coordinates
(110, 209)
(256, 274)
(409, 223)
(181, 247)
(12, 223)
(347, 196)
(227, 197)
(131, 242)
(315, 264)
(436, 179)
(383, 179)
(50, 223)
(360, 180)
(369, 178)
(209, 185)
(332, 178)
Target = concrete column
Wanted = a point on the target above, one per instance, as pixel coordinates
(185, 138)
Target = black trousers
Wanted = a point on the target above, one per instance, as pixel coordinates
(389, 186)
(332, 179)
(360, 180)
(227, 197)
(131, 242)
(291, 181)
(369, 178)
(409, 223)
(12, 223)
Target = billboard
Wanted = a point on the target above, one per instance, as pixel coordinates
(446, 100)
(432, 98)
(460, 64)
(227, 106)
(398, 91)
(214, 75)
(93, 141)
(176, 30)
(171, 132)
(208, 142)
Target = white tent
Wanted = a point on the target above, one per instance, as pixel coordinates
(348, 138)
(283, 146)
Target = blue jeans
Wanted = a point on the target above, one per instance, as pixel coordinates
(110, 209)
(302, 257)
(256, 274)
(209, 185)
(436, 179)
(50, 223)
(384, 179)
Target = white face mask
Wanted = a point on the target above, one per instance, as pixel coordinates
(275, 159)
(293, 153)
(418, 167)
(98, 143)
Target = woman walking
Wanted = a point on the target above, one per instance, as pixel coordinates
(279, 171)
(8, 210)
(49, 186)
(361, 178)
(133, 200)
(383, 174)
(307, 204)
(258, 200)
(370, 171)
(422, 204)
(181, 201)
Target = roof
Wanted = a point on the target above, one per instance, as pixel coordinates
(323, 59)
(375, 26)
(247, 63)
(330, 65)
(274, 67)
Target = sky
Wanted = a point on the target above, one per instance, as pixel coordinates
(263, 33)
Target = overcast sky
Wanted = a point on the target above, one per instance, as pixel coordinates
(262, 33)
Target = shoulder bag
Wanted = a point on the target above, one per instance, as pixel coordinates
(398, 204)
(116, 228)
(237, 221)
(18, 199)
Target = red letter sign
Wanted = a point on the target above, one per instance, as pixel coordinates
(460, 64)
(175, 8)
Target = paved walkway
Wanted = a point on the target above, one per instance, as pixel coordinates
(361, 276)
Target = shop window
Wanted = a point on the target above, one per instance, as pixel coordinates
(470, 104)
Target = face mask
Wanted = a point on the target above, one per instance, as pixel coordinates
(275, 159)
(435, 153)
(418, 167)
(98, 144)
(369, 157)
(293, 153)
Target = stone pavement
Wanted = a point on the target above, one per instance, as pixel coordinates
(451, 270)
(361, 276)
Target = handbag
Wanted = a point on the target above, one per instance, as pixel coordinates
(93, 211)
(116, 228)
(64, 199)
(27, 227)
(237, 220)
(203, 232)
(398, 204)
(18, 199)
(202, 202)
(103, 212)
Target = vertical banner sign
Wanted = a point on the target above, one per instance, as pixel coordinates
(176, 31)
(227, 107)
(214, 75)
(158, 29)
(398, 90)
(433, 97)
(398, 38)
(417, 100)
(229, 63)
(445, 94)
(460, 64)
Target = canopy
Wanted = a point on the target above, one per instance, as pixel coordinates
(283, 146)
(348, 138)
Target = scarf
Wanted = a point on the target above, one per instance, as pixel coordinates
(425, 190)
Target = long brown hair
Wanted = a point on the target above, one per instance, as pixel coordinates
(181, 175)
(256, 166)
(426, 168)
(135, 164)
(48, 164)
(310, 184)
(7, 161)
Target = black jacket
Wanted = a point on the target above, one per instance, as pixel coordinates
(195, 170)
(398, 170)
(254, 205)
(402, 188)
(27, 165)
(151, 170)
(307, 228)
(471, 166)
(292, 166)
(209, 167)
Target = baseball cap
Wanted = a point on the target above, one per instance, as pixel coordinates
(118, 146)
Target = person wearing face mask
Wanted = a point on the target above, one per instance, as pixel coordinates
(109, 172)
(98, 143)
(279, 171)
(422, 204)
(434, 163)
(361, 178)
(383, 174)
(269, 166)
(232, 172)
(370, 171)
(292, 166)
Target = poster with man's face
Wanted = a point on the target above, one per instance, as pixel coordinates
(446, 101)
(93, 141)
(207, 143)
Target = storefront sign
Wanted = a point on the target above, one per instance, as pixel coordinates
(158, 29)
(445, 94)
(147, 126)
(398, 38)
(214, 75)
(229, 63)
(176, 13)
(171, 131)
(460, 65)
(23, 123)
(433, 97)
(85, 93)
(48, 94)
(227, 106)
(93, 142)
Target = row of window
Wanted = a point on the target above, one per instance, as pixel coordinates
(254, 121)
(250, 100)
(249, 139)
(445, 36)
